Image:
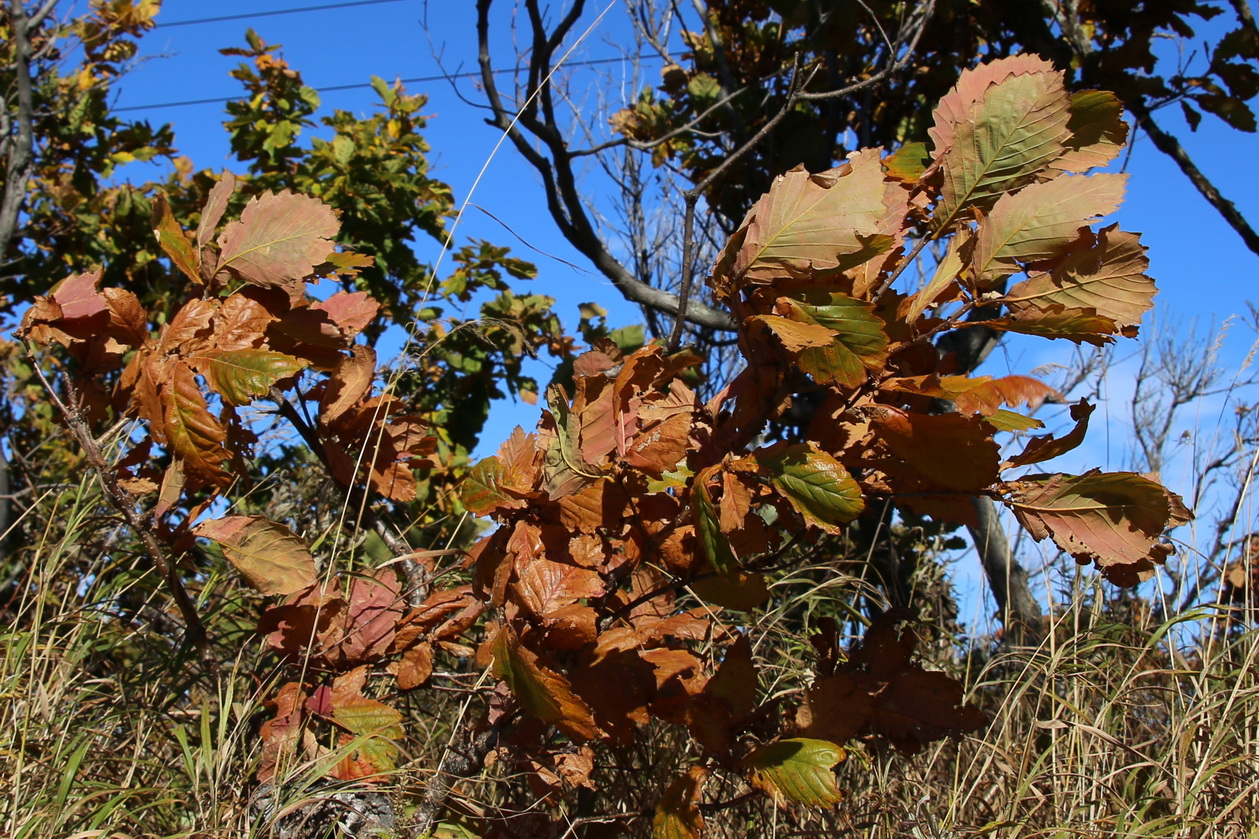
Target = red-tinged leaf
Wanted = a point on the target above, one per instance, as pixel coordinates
(241, 324)
(1040, 221)
(480, 491)
(807, 225)
(949, 451)
(816, 484)
(239, 376)
(1011, 131)
(369, 623)
(1078, 325)
(78, 298)
(170, 236)
(797, 335)
(707, 526)
(544, 693)
(212, 212)
(279, 240)
(351, 311)
(282, 734)
(1040, 449)
(860, 344)
(350, 383)
(1098, 131)
(798, 770)
(372, 727)
(985, 395)
(545, 587)
(677, 815)
(272, 559)
(192, 432)
(1108, 278)
(1110, 518)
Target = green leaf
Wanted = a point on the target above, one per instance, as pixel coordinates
(908, 162)
(947, 270)
(241, 375)
(1007, 420)
(677, 816)
(860, 341)
(480, 491)
(991, 138)
(170, 236)
(707, 527)
(816, 484)
(797, 770)
(270, 557)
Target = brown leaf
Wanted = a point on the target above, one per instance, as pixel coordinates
(1110, 518)
(677, 815)
(1039, 449)
(215, 204)
(543, 692)
(272, 559)
(949, 451)
(1108, 278)
(546, 587)
(191, 431)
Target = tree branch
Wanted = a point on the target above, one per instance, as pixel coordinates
(1171, 147)
(564, 201)
(21, 157)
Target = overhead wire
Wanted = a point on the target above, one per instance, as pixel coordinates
(363, 85)
(272, 13)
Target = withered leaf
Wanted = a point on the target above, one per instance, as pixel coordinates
(278, 240)
(272, 559)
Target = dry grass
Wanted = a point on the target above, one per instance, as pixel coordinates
(1115, 726)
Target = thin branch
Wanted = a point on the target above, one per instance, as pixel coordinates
(121, 501)
(1171, 147)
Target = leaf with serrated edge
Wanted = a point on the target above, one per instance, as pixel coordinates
(816, 484)
(1113, 518)
(1039, 221)
(1010, 133)
(796, 770)
(1108, 278)
(279, 239)
(271, 558)
(805, 224)
(241, 375)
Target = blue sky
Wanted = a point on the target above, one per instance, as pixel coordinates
(1204, 271)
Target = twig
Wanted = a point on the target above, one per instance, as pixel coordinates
(121, 501)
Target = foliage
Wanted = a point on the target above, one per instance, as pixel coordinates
(637, 513)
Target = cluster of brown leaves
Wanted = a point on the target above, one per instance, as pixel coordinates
(636, 508)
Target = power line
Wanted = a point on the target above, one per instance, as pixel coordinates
(363, 85)
(163, 24)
